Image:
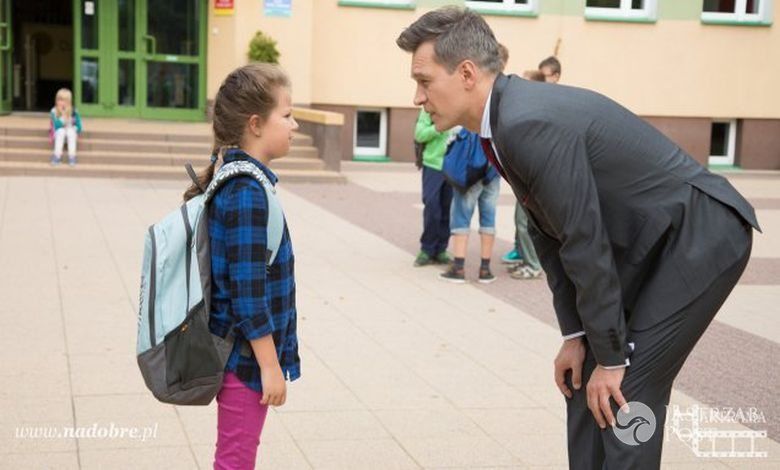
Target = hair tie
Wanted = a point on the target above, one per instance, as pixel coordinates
(214, 159)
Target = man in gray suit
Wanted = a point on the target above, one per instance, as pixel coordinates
(641, 244)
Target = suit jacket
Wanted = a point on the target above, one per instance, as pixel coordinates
(616, 210)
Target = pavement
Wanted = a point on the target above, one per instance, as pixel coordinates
(399, 369)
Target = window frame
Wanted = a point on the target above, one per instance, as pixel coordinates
(391, 4)
(380, 151)
(507, 7)
(649, 13)
(740, 15)
(730, 158)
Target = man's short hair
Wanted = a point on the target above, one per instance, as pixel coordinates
(458, 34)
(552, 63)
(534, 75)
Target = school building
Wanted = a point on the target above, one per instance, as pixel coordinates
(705, 72)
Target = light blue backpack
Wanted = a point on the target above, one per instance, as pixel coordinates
(181, 361)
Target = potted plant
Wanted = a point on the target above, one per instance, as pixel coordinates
(263, 49)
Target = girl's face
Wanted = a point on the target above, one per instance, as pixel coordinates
(277, 131)
(62, 103)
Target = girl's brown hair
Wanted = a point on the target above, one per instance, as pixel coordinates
(248, 90)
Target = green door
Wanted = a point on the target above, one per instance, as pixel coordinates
(92, 51)
(5, 56)
(141, 58)
(172, 68)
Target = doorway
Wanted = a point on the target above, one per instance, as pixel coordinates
(121, 58)
(38, 52)
(140, 58)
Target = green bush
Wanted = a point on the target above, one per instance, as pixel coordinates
(263, 49)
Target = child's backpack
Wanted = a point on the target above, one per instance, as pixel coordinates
(465, 163)
(181, 361)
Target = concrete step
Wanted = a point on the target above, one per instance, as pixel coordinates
(140, 145)
(299, 157)
(149, 172)
(161, 136)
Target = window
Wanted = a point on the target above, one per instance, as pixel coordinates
(402, 4)
(723, 142)
(625, 10)
(371, 133)
(737, 11)
(518, 7)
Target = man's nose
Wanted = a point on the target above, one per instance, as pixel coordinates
(419, 97)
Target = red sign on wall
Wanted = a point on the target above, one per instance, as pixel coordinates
(223, 7)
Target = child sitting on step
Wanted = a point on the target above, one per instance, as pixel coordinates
(65, 124)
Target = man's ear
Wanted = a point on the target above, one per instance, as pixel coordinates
(467, 70)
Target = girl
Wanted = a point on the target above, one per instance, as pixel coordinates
(253, 122)
(65, 123)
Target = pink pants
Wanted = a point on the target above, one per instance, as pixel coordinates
(240, 420)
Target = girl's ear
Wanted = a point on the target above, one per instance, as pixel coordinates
(255, 125)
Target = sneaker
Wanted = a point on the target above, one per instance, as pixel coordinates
(423, 259)
(485, 276)
(510, 268)
(453, 274)
(72, 161)
(55, 161)
(513, 257)
(443, 258)
(526, 272)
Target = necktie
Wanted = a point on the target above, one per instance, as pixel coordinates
(487, 147)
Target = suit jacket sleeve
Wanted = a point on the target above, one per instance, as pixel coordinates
(564, 292)
(553, 162)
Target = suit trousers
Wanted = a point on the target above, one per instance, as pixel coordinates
(659, 354)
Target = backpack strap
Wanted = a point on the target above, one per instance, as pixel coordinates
(275, 228)
(194, 177)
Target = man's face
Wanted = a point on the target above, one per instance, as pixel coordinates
(440, 93)
(549, 76)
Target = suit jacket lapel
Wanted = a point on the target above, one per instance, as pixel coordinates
(495, 99)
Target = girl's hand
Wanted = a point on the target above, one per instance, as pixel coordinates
(271, 376)
(274, 386)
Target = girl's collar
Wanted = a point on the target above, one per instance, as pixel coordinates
(233, 154)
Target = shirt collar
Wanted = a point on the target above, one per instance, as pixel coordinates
(232, 155)
(485, 132)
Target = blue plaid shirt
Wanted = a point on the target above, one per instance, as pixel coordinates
(256, 300)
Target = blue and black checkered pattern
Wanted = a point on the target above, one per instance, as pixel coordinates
(256, 299)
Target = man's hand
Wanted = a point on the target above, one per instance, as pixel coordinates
(571, 356)
(603, 384)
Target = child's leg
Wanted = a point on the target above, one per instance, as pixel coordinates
(488, 199)
(240, 419)
(461, 211)
(71, 133)
(487, 240)
(59, 142)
